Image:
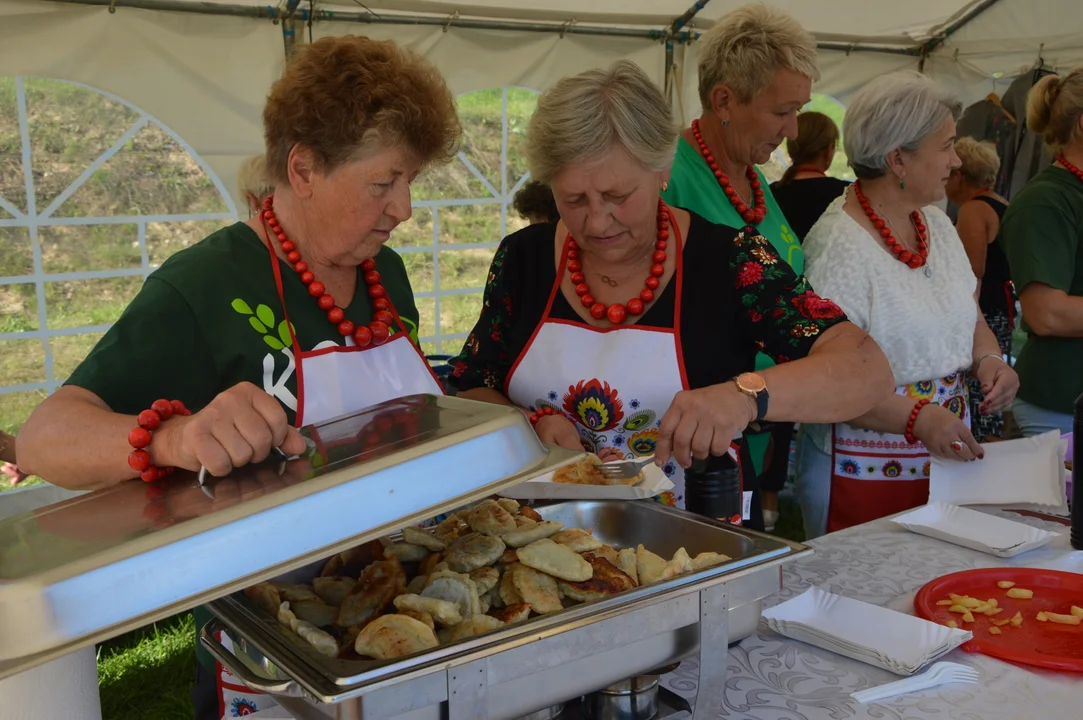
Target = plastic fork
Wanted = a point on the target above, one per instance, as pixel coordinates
(624, 469)
(941, 673)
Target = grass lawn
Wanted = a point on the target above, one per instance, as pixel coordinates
(147, 673)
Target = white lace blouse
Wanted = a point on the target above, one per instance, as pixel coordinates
(924, 324)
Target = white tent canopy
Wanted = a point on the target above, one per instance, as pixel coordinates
(202, 67)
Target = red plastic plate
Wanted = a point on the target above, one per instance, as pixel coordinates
(1042, 644)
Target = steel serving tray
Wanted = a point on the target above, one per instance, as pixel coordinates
(97, 565)
(626, 634)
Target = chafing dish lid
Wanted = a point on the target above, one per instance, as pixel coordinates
(102, 563)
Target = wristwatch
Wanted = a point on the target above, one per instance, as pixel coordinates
(754, 386)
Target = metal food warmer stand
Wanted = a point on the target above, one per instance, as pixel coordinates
(101, 564)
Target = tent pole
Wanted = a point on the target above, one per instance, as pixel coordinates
(941, 35)
(382, 19)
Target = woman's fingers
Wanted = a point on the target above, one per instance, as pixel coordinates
(663, 449)
(703, 441)
(682, 440)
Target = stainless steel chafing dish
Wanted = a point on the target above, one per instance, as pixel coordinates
(98, 565)
(523, 668)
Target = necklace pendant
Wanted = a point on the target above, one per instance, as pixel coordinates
(928, 271)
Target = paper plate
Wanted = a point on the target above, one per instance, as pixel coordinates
(974, 530)
(654, 483)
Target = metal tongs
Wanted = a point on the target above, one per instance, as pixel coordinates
(284, 458)
(624, 469)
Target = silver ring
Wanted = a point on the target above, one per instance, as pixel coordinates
(957, 446)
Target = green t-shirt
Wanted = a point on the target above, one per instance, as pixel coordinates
(210, 318)
(1042, 235)
(694, 187)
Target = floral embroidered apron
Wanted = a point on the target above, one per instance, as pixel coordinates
(614, 384)
(335, 380)
(876, 474)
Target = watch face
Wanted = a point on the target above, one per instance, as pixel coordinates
(751, 382)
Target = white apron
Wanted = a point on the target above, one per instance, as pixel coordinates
(332, 381)
(876, 474)
(614, 384)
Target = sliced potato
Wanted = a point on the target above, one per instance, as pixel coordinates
(1063, 619)
(1002, 623)
(1077, 611)
(968, 618)
(945, 603)
(952, 624)
(1005, 584)
(994, 630)
(1020, 593)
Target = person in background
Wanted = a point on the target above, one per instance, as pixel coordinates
(1042, 234)
(630, 328)
(297, 316)
(802, 194)
(805, 190)
(756, 69)
(895, 264)
(534, 203)
(255, 183)
(7, 459)
(970, 187)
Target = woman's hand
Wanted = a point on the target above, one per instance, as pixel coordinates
(13, 472)
(558, 430)
(241, 425)
(703, 422)
(999, 382)
(945, 435)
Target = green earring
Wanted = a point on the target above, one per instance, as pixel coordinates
(902, 184)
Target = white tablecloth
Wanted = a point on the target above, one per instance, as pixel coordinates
(771, 677)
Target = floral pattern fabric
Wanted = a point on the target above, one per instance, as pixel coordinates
(773, 308)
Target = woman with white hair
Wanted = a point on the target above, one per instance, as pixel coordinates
(756, 69)
(895, 264)
(981, 209)
(255, 183)
(630, 327)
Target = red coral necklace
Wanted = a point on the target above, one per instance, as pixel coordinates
(914, 260)
(752, 215)
(1070, 167)
(376, 332)
(617, 313)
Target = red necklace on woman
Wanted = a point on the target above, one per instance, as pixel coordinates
(809, 169)
(617, 313)
(914, 260)
(752, 215)
(376, 332)
(1070, 167)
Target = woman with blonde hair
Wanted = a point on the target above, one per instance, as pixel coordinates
(1042, 235)
(254, 182)
(970, 187)
(895, 264)
(295, 317)
(756, 69)
(805, 190)
(630, 327)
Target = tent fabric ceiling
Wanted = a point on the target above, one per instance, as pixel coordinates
(206, 75)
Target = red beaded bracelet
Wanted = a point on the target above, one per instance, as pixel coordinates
(140, 437)
(909, 434)
(542, 412)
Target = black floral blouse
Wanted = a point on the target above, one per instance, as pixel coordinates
(738, 298)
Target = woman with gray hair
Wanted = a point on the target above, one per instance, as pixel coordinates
(895, 264)
(630, 327)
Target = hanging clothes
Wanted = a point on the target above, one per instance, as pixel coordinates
(1027, 153)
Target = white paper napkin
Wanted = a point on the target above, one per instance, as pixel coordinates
(1028, 471)
(897, 642)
